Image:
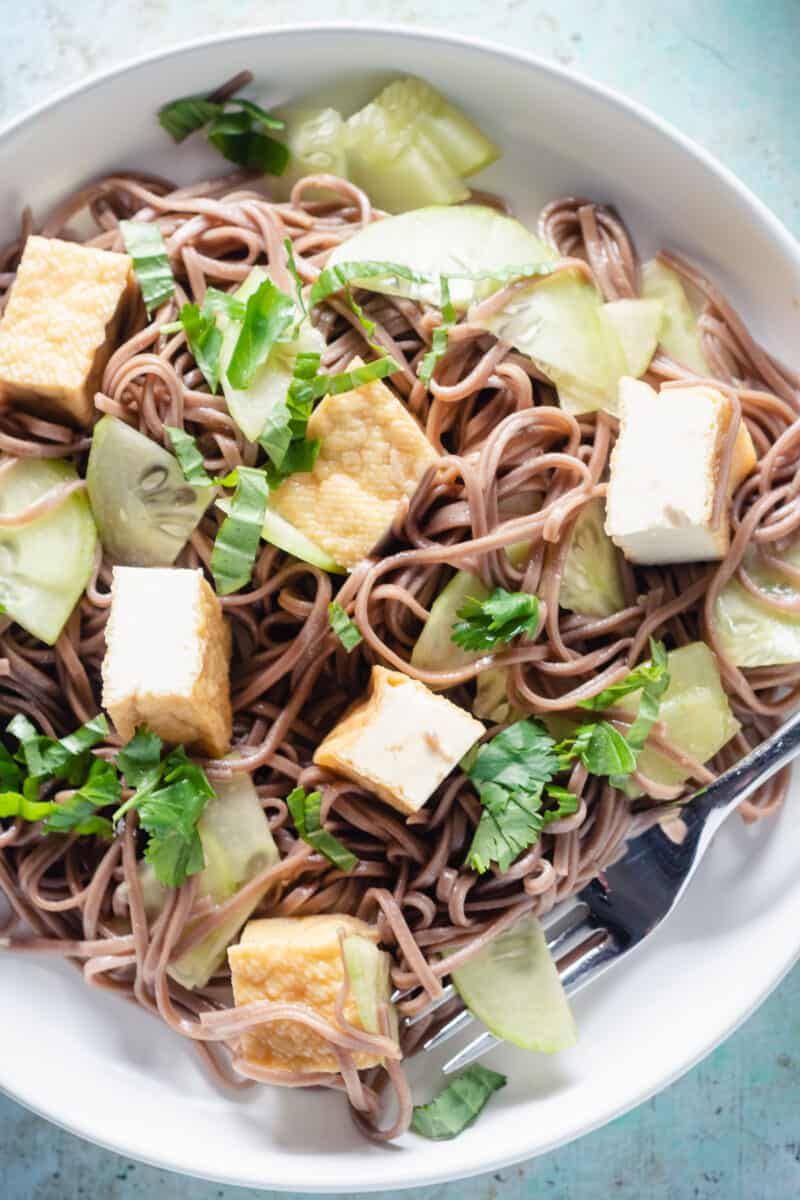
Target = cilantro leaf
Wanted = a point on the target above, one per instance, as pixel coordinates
(170, 817)
(441, 334)
(602, 749)
(269, 314)
(140, 760)
(237, 541)
(11, 773)
(458, 1104)
(509, 774)
(77, 814)
(205, 341)
(189, 457)
(144, 243)
(170, 798)
(652, 673)
(305, 810)
(503, 616)
(343, 626)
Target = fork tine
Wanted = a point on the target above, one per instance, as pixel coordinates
(447, 994)
(454, 1025)
(474, 1050)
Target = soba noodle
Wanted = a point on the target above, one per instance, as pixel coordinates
(493, 417)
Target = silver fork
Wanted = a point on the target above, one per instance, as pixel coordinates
(602, 924)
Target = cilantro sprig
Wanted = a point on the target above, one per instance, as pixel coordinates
(238, 128)
(170, 796)
(305, 809)
(514, 773)
(482, 624)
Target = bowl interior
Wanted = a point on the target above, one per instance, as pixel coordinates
(111, 1073)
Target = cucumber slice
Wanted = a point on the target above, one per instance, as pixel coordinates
(46, 564)
(438, 241)
(419, 107)
(514, 988)
(399, 166)
(491, 701)
(434, 649)
(637, 324)
(316, 141)
(144, 508)
(368, 969)
(250, 407)
(679, 334)
(557, 322)
(694, 710)
(281, 533)
(752, 633)
(237, 845)
(591, 583)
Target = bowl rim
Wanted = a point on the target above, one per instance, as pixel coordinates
(765, 216)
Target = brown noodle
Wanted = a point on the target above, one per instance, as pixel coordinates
(514, 467)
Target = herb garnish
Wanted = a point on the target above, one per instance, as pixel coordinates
(238, 128)
(237, 541)
(343, 626)
(305, 809)
(458, 1104)
(144, 243)
(189, 457)
(500, 618)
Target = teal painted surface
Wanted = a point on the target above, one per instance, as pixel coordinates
(726, 72)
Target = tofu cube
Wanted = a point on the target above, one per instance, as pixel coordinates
(400, 742)
(59, 326)
(665, 470)
(372, 457)
(167, 660)
(298, 960)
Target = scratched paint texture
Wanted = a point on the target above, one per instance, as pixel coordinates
(725, 72)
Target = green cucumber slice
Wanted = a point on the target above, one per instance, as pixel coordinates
(281, 533)
(251, 406)
(436, 241)
(591, 583)
(237, 845)
(557, 323)
(753, 634)
(512, 985)
(144, 508)
(679, 334)
(368, 969)
(46, 564)
(316, 141)
(491, 701)
(637, 324)
(695, 712)
(399, 166)
(420, 108)
(434, 649)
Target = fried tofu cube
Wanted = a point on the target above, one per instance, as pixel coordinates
(665, 471)
(373, 455)
(167, 661)
(298, 960)
(400, 742)
(60, 325)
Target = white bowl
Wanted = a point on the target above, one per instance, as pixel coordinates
(113, 1074)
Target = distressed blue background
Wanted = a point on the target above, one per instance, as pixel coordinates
(727, 72)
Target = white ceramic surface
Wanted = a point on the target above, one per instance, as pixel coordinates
(114, 1075)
